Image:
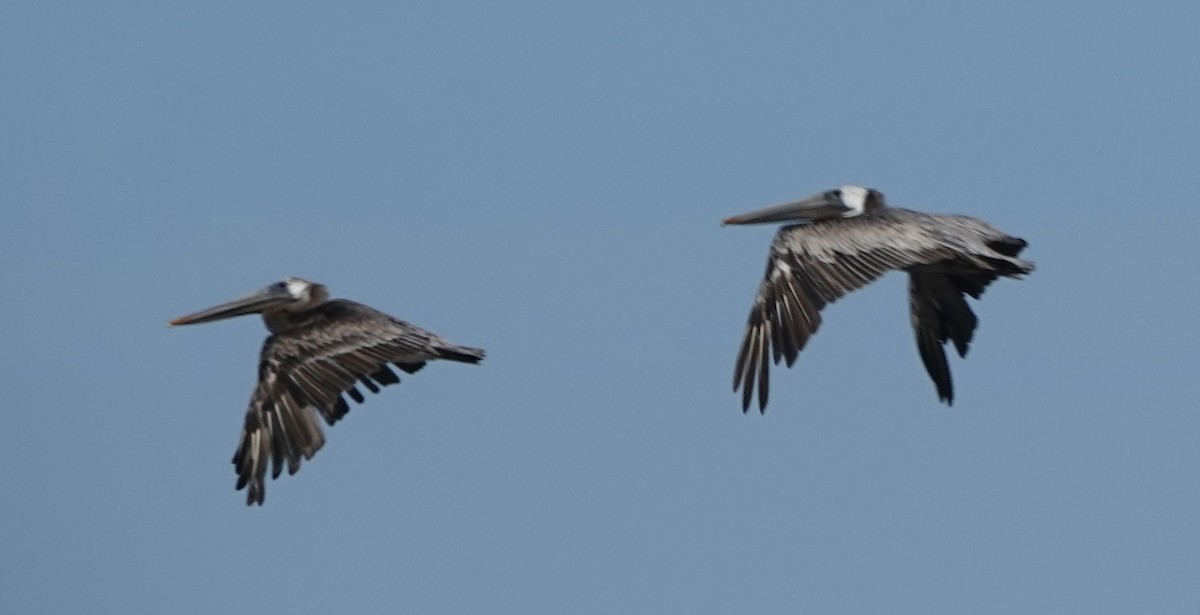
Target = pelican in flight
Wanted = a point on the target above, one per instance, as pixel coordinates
(845, 239)
(318, 349)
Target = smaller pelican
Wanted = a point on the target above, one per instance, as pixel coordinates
(846, 239)
(319, 349)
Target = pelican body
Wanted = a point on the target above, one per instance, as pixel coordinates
(845, 239)
(318, 350)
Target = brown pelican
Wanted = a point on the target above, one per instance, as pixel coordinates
(319, 349)
(847, 238)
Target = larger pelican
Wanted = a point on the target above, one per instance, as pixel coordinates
(319, 349)
(847, 238)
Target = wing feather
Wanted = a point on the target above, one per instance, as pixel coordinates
(811, 266)
(939, 313)
(304, 372)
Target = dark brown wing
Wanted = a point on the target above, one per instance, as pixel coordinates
(940, 313)
(812, 265)
(304, 371)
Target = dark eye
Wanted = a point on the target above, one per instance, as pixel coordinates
(835, 194)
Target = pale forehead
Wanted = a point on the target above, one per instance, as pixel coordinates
(854, 195)
(297, 286)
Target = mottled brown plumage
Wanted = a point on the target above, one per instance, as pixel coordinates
(319, 350)
(854, 240)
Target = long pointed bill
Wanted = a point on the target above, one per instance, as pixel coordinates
(250, 304)
(815, 207)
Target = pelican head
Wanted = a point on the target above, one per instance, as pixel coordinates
(291, 294)
(845, 202)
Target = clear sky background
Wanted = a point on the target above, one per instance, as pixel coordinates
(546, 181)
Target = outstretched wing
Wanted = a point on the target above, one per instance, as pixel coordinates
(812, 265)
(940, 312)
(303, 373)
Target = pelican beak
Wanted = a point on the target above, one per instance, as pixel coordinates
(815, 207)
(251, 304)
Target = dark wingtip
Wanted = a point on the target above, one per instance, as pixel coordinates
(462, 354)
(255, 495)
(737, 385)
(962, 348)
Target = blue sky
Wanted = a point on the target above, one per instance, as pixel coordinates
(546, 181)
